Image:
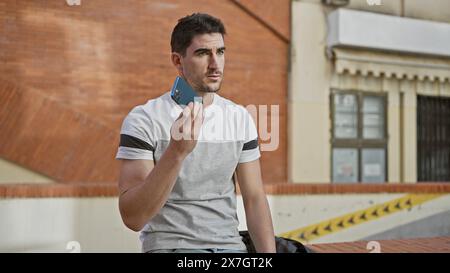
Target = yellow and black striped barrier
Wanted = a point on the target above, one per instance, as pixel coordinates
(312, 232)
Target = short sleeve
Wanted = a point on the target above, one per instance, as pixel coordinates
(250, 150)
(136, 136)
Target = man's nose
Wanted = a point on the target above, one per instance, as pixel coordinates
(213, 61)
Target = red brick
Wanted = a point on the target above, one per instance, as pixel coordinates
(101, 58)
(418, 245)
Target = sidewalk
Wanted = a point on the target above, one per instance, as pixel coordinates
(419, 245)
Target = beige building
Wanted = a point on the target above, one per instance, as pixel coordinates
(369, 91)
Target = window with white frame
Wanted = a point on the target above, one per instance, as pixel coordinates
(358, 137)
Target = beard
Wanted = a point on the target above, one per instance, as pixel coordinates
(207, 88)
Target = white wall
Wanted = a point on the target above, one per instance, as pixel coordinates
(48, 224)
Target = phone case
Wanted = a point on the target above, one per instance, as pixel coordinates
(182, 93)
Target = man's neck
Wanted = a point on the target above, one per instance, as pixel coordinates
(208, 98)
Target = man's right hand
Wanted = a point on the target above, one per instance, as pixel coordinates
(186, 129)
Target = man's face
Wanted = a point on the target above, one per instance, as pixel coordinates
(204, 62)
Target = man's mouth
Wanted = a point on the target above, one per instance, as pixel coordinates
(215, 77)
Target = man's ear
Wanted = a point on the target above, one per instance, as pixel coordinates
(176, 61)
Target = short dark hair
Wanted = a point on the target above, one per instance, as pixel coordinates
(191, 25)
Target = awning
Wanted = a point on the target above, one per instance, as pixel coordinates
(391, 65)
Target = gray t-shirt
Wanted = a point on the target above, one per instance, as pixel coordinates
(201, 209)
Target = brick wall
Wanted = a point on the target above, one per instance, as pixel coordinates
(101, 58)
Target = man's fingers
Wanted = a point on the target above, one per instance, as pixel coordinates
(184, 114)
(187, 126)
(199, 115)
(194, 111)
(190, 106)
(197, 108)
(197, 124)
(187, 121)
(178, 126)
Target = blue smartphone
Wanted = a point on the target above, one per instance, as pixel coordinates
(182, 93)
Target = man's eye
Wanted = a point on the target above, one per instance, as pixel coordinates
(221, 52)
(202, 53)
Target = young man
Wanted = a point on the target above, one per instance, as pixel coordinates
(177, 164)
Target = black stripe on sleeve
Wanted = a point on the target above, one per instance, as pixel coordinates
(134, 142)
(250, 145)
